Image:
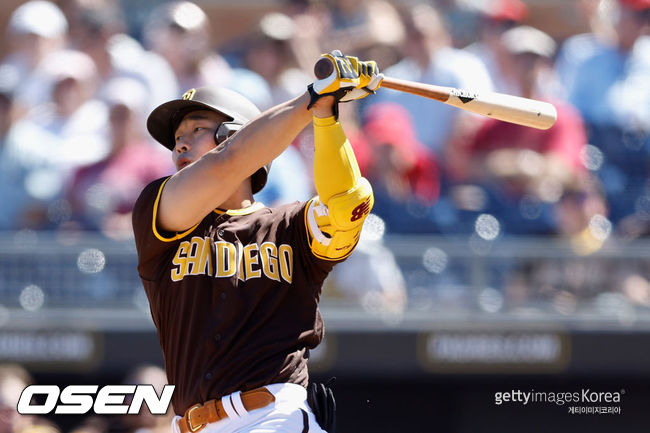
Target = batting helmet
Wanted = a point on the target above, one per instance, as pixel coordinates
(165, 118)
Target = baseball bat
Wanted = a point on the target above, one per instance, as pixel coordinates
(507, 108)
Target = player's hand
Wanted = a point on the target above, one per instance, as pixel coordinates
(349, 78)
(369, 79)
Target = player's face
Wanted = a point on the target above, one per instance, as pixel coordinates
(195, 136)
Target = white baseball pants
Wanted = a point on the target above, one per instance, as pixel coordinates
(290, 413)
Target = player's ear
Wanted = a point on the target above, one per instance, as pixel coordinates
(225, 130)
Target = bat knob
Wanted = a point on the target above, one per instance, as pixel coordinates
(323, 68)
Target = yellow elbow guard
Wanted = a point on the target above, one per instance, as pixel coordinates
(334, 230)
(348, 210)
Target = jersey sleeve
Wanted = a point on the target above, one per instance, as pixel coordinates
(152, 244)
(294, 222)
(315, 266)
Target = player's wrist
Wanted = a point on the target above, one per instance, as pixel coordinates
(324, 107)
(324, 122)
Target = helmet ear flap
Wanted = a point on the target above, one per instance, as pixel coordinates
(225, 130)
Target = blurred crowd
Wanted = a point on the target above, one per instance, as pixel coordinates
(77, 84)
(79, 78)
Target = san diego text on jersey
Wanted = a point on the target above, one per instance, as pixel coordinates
(220, 259)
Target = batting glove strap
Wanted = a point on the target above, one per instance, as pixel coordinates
(314, 96)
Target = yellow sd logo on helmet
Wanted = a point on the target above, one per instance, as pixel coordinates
(189, 95)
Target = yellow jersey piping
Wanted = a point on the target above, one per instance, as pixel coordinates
(155, 215)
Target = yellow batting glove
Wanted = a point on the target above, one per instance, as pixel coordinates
(369, 79)
(348, 80)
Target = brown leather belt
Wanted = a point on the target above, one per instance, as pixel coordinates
(199, 415)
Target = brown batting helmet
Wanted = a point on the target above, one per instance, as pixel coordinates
(165, 118)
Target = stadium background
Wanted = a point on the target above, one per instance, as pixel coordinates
(430, 358)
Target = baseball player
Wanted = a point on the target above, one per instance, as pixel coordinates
(234, 286)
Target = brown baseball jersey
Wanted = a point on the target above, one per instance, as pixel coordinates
(234, 298)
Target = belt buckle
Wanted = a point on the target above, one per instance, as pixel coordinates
(189, 419)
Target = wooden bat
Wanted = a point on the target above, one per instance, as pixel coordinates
(508, 108)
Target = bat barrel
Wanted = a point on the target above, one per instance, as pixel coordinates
(507, 108)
